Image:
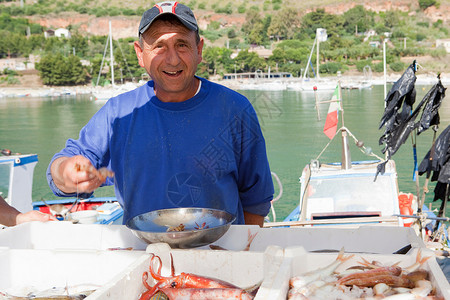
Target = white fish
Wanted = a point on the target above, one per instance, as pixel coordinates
(321, 273)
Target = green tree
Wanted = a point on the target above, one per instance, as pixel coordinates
(80, 44)
(60, 70)
(391, 19)
(321, 19)
(249, 61)
(284, 24)
(253, 28)
(357, 18)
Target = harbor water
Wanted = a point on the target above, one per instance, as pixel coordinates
(289, 121)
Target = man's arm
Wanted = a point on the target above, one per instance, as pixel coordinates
(253, 219)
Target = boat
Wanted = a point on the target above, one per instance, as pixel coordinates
(365, 83)
(316, 83)
(354, 193)
(16, 183)
(102, 94)
(16, 178)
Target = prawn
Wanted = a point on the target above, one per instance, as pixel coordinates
(395, 271)
(101, 173)
(388, 279)
(206, 293)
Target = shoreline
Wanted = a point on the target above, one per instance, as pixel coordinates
(251, 83)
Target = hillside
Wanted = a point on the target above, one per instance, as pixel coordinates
(126, 26)
(125, 17)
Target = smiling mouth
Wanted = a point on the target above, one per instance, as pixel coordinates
(173, 74)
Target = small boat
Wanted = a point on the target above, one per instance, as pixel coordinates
(16, 178)
(108, 210)
(315, 84)
(353, 193)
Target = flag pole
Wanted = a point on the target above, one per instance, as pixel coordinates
(317, 102)
(346, 157)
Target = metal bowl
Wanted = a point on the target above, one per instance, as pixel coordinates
(202, 226)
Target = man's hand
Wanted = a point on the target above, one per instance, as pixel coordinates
(33, 215)
(76, 175)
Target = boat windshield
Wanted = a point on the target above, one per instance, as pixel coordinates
(5, 175)
(352, 193)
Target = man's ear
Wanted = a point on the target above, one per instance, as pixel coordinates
(200, 49)
(139, 53)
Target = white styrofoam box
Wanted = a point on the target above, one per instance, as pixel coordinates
(241, 268)
(25, 271)
(65, 235)
(298, 261)
(367, 239)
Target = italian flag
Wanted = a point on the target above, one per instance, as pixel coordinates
(332, 117)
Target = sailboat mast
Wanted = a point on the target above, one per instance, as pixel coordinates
(309, 59)
(317, 56)
(111, 54)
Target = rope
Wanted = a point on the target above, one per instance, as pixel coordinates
(362, 148)
(280, 185)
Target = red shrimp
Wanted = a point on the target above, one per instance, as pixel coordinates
(396, 271)
(390, 280)
(205, 293)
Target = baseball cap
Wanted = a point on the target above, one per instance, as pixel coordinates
(182, 12)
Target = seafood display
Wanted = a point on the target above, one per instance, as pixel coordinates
(364, 280)
(182, 227)
(188, 286)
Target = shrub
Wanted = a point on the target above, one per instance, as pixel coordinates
(438, 52)
(362, 63)
(438, 23)
(330, 67)
(420, 36)
(234, 43)
(211, 35)
(378, 67)
(231, 34)
(423, 24)
(424, 4)
(397, 66)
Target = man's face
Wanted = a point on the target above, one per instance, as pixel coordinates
(170, 55)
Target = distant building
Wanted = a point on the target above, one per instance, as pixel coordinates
(374, 44)
(255, 75)
(444, 43)
(60, 32)
(19, 64)
(368, 34)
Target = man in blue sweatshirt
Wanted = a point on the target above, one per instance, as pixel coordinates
(177, 141)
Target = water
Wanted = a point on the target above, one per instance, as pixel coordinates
(288, 119)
